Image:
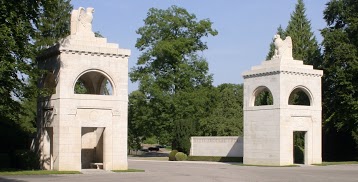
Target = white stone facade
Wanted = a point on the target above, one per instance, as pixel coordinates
(222, 146)
(268, 129)
(75, 123)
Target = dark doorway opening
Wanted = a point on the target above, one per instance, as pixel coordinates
(299, 147)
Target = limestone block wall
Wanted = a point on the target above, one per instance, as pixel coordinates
(226, 146)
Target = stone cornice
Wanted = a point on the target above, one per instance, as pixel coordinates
(260, 74)
(80, 52)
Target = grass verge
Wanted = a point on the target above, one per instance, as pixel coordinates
(151, 158)
(241, 164)
(214, 159)
(35, 172)
(336, 163)
(128, 170)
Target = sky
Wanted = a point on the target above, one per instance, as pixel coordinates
(246, 28)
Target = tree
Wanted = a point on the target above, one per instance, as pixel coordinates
(340, 83)
(305, 46)
(225, 112)
(23, 34)
(53, 23)
(15, 51)
(169, 65)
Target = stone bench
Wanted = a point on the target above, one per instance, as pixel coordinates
(96, 165)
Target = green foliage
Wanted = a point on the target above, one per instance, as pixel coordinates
(169, 71)
(80, 88)
(305, 46)
(140, 122)
(15, 51)
(26, 159)
(180, 156)
(172, 155)
(151, 140)
(27, 28)
(215, 158)
(183, 131)
(53, 23)
(264, 98)
(340, 65)
(225, 114)
(299, 97)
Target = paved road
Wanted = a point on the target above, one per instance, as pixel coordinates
(157, 171)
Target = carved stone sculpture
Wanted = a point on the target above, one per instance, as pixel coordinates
(283, 48)
(81, 21)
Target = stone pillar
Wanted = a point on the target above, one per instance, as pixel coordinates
(107, 148)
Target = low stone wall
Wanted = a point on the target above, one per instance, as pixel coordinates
(228, 146)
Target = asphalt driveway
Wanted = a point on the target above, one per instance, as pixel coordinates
(157, 171)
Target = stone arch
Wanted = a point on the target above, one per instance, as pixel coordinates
(262, 96)
(95, 82)
(300, 95)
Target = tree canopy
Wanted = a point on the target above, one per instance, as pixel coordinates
(26, 28)
(169, 70)
(340, 83)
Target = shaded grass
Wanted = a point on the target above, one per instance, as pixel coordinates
(128, 170)
(34, 172)
(151, 158)
(215, 159)
(241, 164)
(336, 163)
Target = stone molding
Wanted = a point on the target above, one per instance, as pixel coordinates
(69, 51)
(253, 75)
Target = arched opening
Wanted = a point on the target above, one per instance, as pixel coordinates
(93, 82)
(299, 96)
(262, 96)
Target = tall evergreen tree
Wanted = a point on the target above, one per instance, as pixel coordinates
(340, 80)
(305, 46)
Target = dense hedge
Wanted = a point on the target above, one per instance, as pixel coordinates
(215, 158)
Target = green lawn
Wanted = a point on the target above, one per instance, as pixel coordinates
(35, 172)
(129, 170)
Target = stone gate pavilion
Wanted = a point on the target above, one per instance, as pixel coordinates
(268, 129)
(83, 123)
